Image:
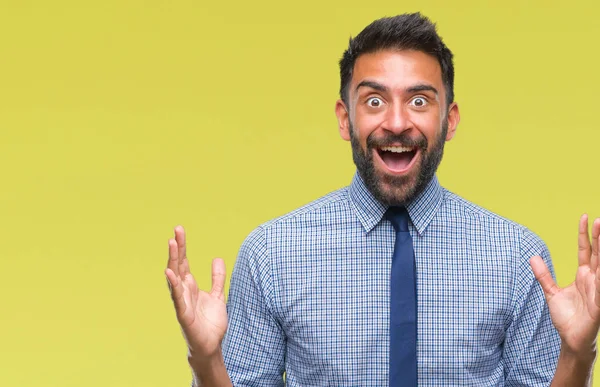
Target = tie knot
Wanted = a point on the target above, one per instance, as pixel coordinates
(399, 218)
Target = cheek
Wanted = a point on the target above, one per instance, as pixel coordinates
(428, 124)
(364, 126)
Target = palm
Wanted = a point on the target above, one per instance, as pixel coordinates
(202, 315)
(575, 309)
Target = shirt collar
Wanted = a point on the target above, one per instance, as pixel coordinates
(370, 211)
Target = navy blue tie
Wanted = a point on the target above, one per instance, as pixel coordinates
(403, 304)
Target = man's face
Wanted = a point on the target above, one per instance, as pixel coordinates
(397, 122)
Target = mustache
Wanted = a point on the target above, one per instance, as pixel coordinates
(403, 139)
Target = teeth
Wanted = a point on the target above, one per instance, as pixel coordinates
(396, 149)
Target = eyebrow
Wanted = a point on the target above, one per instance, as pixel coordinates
(382, 88)
(372, 85)
(422, 87)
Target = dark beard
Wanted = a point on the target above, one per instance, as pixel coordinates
(402, 192)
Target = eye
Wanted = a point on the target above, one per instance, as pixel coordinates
(418, 102)
(374, 102)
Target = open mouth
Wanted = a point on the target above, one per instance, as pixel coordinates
(398, 159)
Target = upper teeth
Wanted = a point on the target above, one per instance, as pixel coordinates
(396, 149)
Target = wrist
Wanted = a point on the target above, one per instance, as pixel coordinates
(203, 359)
(206, 369)
(580, 359)
(574, 368)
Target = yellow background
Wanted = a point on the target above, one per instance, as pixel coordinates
(121, 119)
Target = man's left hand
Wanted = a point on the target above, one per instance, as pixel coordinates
(575, 309)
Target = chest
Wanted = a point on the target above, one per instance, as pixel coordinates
(333, 304)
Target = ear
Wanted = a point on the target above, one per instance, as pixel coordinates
(453, 120)
(343, 119)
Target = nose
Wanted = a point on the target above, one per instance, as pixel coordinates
(397, 119)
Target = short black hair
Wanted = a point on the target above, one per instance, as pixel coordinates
(411, 31)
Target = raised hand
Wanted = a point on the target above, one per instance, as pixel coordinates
(575, 309)
(202, 315)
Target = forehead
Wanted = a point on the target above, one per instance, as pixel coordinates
(397, 69)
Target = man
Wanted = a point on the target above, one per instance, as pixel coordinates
(392, 280)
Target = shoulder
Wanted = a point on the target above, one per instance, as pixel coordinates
(322, 209)
(494, 226)
(316, 213)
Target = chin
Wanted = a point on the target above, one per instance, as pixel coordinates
(396, 190)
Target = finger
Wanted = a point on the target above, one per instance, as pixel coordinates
(184, 269)
(595, 234)
(189, 281)
(185, 265)
(176, 288)
(597, 284)
(583, 241)
(218, 278)
(543, 276)
(173, 263)
(171, 279)
(180, 238)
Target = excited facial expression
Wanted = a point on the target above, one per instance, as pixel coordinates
(398, 121)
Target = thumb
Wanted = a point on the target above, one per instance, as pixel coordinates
(543, 276)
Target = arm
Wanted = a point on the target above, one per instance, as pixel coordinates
(243, 340)
(201, 315)
(573, 370)
(532, 344)
(209, 372)
(575, 310)
(255, 343)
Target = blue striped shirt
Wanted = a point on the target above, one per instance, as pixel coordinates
(309, 296)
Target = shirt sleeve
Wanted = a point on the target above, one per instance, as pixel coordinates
(254, 345)
(532, 344)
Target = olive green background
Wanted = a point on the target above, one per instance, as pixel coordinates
(122, 119)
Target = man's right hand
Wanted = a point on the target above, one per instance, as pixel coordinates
(202, 315)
